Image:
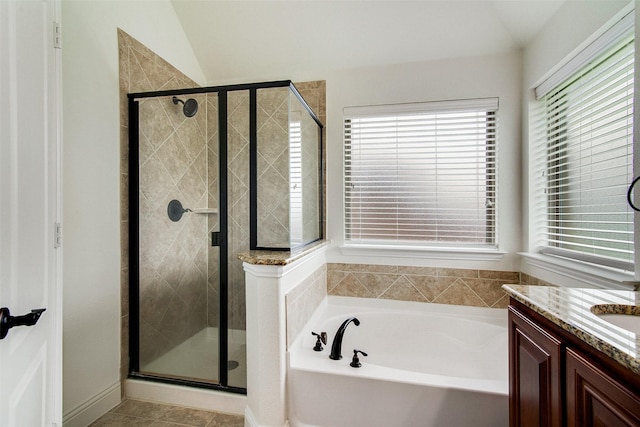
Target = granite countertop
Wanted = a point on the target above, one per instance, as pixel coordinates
(280, 257)
(570, 308)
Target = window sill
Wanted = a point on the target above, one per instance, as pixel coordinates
(468, 254)
(578, 272)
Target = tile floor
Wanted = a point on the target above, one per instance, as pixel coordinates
(136, 413)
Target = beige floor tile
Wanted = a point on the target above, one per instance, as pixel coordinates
(118, 420)
(135, 413)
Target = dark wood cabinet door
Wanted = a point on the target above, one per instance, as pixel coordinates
(595, 399)
(534, 374)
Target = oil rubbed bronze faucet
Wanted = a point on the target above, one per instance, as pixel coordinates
(336, 347)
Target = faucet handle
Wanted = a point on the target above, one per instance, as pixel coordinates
(355, 361)
(322, 339)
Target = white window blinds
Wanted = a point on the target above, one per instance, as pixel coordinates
(421, 174)
(582, 130)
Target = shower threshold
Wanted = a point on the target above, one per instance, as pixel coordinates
(196, 358)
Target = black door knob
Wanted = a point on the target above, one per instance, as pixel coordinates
(7, 321)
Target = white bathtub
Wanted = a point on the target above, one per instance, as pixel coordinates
(428, 365)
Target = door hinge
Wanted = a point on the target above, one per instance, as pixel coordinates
(57, 242)
(57, 35)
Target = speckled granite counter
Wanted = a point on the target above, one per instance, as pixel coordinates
(280, 257)
(570, 308)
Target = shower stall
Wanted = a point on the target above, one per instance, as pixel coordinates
(213, 172)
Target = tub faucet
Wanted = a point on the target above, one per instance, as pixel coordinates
(336, 347)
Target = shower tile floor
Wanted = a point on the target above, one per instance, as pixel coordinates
(197, 358)
(136, 413)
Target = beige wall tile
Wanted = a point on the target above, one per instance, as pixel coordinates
(506, 276)
(402, 289)
(349, 286)
(418, 271)
(454, 272)
(376, 283)
(490, 291)
(303, 300)
(459, 294)
(431, 286)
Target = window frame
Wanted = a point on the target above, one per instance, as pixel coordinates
(486, 250)
(586, 269)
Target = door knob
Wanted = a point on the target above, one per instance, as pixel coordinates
(7, 321)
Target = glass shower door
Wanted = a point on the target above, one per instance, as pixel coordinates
(236, 143)
(178, 315)
(214, 172)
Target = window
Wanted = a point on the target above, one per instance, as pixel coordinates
(582, 131)
(421, 174)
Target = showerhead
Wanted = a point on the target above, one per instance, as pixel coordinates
(189, 107)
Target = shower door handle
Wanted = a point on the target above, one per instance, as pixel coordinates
(216, 238)
(7, 321)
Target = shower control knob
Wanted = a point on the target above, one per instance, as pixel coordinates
(355, 361)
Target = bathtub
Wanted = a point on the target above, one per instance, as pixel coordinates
(428, 365)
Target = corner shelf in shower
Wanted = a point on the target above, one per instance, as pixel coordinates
(205, 211)
(175, 210)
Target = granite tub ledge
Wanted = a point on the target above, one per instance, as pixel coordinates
(261, 257)
(570, 309)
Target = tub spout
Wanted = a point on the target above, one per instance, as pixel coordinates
(336, 347)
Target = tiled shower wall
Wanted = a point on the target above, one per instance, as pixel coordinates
(315, 95)
(172, 150)
(238, 202)
(173, 165)
(278, 158)
(273, 167)
(311, 200)
(173, 255)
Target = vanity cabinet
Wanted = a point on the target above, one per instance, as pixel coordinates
(534, 374)
(555, 379)
(596, 399)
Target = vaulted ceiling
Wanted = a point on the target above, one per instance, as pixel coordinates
(244, 40)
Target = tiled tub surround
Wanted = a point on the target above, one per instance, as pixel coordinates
(570, 309)
(302, 302)
(480, 288)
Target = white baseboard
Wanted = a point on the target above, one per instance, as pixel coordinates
(210, 400)
(92, 409)
(249, 420)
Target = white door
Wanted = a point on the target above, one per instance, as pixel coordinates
(30, 357)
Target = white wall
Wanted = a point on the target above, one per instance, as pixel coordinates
(91, 167)
(471, 77)
(566, 33)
